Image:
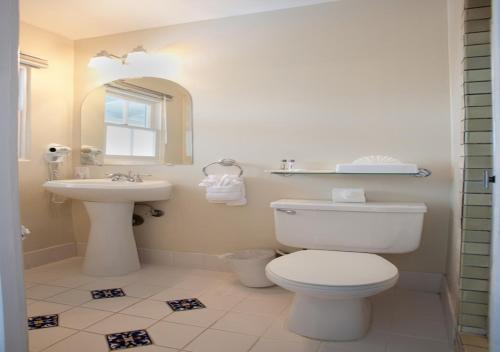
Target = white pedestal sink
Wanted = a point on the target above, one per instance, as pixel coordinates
(111, 248)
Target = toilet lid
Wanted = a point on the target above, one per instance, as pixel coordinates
(333, 268)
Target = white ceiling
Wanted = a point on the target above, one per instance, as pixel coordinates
(76, 19)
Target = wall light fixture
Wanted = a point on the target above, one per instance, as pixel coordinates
(104, 58)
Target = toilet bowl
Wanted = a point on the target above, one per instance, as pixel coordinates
(331, 290)
(338, 270)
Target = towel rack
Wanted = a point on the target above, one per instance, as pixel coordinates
(223, 162)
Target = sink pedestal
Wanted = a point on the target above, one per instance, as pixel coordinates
(111, 248)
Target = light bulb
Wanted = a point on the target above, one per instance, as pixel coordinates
(137, 55)
(102, 58)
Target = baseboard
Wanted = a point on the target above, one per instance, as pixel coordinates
(192, 260)
(449, 312)
(49, 255)
(428, 282)
(80, 248)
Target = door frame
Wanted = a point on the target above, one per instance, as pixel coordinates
(13, 326)
(494, 309)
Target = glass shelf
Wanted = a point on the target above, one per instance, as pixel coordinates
(420, 173)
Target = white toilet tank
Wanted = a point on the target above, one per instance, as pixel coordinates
(355, 227)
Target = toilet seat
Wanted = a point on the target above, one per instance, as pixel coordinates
(332, 273)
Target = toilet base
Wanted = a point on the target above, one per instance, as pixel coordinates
(329, 319)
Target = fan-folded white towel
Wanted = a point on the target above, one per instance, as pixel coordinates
(227, 189)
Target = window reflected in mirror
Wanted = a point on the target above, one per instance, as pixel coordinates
(137, 121)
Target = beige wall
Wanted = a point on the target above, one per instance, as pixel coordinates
(321, 84)
(51, 122)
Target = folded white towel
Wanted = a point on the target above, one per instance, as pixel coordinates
(242, 200)
(224, 193)
(376, 164)
(228, 189)
(220, 180)
(225, 189)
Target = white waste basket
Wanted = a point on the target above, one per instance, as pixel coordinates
(250, 266)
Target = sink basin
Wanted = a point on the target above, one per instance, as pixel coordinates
(105, 190)
(111, 248)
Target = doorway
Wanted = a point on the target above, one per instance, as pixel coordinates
(13, 335)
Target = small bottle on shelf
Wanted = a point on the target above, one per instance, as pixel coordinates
(284, 164)
(291, 164)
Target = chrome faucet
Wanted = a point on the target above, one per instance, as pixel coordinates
(138, 177)
(118, 176)
(130, 177)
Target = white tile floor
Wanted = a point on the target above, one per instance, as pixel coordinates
(237, 319)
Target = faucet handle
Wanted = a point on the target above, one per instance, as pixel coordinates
(117, 176)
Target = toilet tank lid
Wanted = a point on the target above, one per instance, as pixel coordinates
(381, 207)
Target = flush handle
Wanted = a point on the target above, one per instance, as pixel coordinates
(287, 211)
(24, 232)
(487, 179)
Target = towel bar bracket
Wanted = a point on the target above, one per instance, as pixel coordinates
(423, 173)
(223, 162)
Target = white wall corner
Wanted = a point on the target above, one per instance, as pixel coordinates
(80, 248)
(49, 255)
(428, 282)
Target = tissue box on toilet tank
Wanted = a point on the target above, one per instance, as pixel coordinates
(348, 195)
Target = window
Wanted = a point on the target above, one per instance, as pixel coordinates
(23, 122)
(131, 129)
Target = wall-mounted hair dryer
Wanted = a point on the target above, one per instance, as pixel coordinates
(56, 153)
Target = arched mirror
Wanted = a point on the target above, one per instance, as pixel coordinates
(137, 121)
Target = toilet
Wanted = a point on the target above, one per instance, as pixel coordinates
(338, 271)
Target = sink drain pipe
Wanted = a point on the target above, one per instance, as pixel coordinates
(154, 212)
